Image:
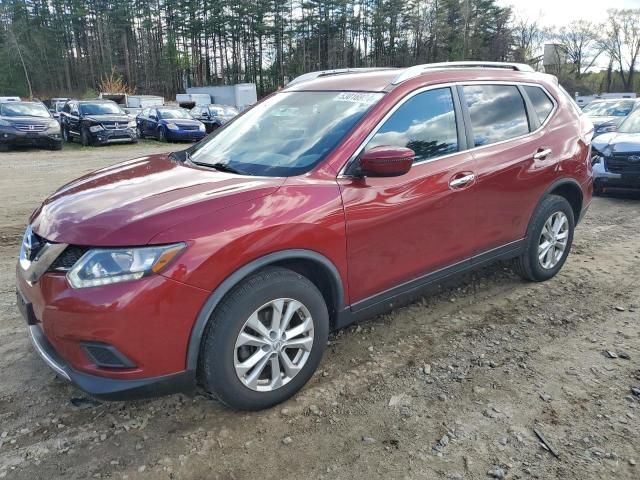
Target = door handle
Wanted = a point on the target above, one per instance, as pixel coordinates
(462, 181)
(542, 153)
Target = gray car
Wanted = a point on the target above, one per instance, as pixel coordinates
(28, 124)
(607, 115)
(616, 156)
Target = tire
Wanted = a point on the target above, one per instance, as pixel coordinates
(140, 132)
(65, 135)
(57, 146)
(162, 135)
(220, 368)
(533, 266)
(84, 137)
(4, 147)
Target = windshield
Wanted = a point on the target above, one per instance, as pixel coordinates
(100, 109)
(621, 108)
(15, 109)
(174, 113)
(222, 110)
(631, 123)
(287, 134)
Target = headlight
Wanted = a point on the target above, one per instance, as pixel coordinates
(607, 128)
(172, 126)
(114, 265)
(201, 127)
(53, 124)
(96, 128)
(132, 124)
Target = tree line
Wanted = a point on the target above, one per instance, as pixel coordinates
(67, 47)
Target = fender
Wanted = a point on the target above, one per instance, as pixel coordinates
(558, 183)
(232, 280)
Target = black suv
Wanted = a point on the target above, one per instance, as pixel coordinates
(28, 124)
(97, 122)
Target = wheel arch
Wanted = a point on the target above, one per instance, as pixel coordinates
(568, 188)
(316, 267)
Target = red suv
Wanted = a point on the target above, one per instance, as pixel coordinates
(228, 264)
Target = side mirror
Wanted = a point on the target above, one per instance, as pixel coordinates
(386, 161)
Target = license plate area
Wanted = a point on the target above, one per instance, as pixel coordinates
(26, 309)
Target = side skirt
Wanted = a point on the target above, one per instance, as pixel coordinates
(404, 293)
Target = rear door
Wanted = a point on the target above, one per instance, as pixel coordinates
(400, 229)
(513, 161)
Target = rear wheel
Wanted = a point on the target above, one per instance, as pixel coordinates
(548, 241)
(264, 340)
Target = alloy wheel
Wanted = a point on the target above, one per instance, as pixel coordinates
(273, 345)
(553, 240)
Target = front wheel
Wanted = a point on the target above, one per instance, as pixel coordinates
(65, 135)
(548, 240)
(84, 137)
(264, 340)
(162, 134)
(140, 132)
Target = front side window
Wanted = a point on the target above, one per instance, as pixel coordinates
(542, 104)
(426, 123)
(286, 134)
(497, 113)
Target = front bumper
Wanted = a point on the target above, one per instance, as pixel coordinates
(13, 137)
(185, 135)
(107, 388)
(149, 321)
(603, 179)
(125, 135)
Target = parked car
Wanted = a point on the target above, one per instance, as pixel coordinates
(227, 264)
(213, 116)
(56, 106)
(607, 115)
(28, 124)
(97, 122)
(169, 124)
(10, 99)
(616, 156)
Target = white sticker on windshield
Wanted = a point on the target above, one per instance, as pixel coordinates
(357, 97)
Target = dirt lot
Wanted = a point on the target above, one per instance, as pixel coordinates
(449, 387)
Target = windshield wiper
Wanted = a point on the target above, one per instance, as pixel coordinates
(225, 167)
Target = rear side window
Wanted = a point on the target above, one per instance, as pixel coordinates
(497, 113)
(426, 123)
(542, 104)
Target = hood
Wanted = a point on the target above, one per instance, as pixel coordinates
(108, 118)
(28, 120)
(131, 202)
(181, 121)
(599, 121)
(619, 142)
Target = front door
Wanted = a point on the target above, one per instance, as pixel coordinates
(403, 228)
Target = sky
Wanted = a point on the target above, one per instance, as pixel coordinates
(561, 12)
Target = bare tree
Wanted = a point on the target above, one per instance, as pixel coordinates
(622, 43)
(581, 44)
(528, 38)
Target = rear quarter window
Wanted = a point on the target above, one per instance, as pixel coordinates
(497, 113)
(541, 102)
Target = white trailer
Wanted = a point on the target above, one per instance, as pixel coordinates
(190, 100)
(240, 96)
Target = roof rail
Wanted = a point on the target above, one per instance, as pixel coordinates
(416, 70)
(336, 71)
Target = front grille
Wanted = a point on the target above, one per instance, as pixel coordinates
(67, 259)
(28, 127)
(626, 163)
(188, 127)
(115, 126)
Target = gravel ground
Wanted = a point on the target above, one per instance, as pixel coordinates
(452, 386)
